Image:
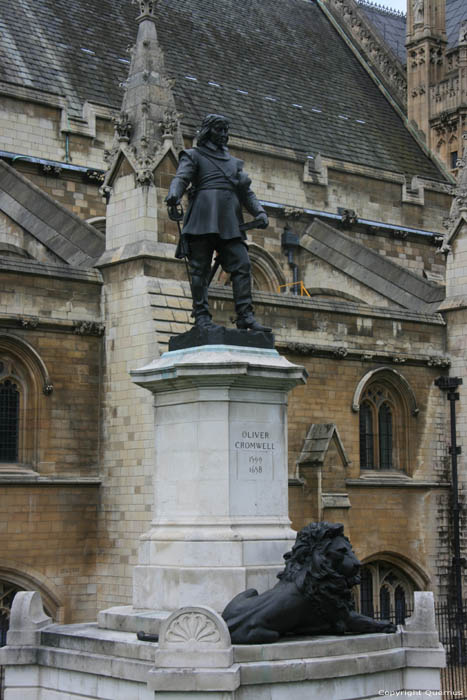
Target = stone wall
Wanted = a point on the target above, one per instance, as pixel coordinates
(48, 539)
(77, 191)
(127, 454)
(49, 330)
(36, 129)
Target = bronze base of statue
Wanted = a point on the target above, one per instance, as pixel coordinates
(219, 335)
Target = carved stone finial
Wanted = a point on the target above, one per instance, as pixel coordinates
(463, 32)
(147, 8)
(459, 203)
(123, 127)
(168, 124)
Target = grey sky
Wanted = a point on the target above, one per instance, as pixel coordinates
(395, 4)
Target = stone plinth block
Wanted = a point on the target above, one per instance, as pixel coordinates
(420, 630)
(220, 521)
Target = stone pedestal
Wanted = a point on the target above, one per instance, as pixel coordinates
(221, 520)
(195, 660)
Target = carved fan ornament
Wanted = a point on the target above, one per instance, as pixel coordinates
(192, 627)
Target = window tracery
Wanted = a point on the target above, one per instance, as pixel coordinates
(24, 381)
(385, 592)
(12, 395)
(387, 407)
(378, 411)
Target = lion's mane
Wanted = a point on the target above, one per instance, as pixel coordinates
(308, 566)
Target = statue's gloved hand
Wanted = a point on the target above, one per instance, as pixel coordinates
(263, 219)
(172, 200)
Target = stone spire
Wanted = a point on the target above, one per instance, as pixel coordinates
(147, 132)
(426, 46)
(148, 124)
(455, 243)
(459, 203)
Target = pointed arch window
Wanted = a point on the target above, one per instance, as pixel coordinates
(385, 591)
(382, 423)
(385, 436)
(366, 592)
(366, 436)
(9, 420)
(384, 602)
(24, 381)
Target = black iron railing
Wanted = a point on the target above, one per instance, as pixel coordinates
(452, 630)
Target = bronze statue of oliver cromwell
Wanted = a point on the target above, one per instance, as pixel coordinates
(219, 189)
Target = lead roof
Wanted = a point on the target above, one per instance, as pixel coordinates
(390, 25)
(456, 12)
(277, 68)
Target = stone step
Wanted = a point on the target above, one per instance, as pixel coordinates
(126, 619)
(90, 639)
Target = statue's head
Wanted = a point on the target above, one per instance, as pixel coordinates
(214, 128)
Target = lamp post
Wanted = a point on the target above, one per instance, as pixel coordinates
(449, 385)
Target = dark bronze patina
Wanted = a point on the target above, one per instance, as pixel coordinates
(217, 188)
(313, 596)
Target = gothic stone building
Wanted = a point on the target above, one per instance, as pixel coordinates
(352, 149)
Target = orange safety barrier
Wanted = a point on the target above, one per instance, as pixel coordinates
(302, 288)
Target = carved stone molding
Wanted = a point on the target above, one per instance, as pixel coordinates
(382, 60)
(292, 212)
(29, 323)
(88, 328)
(463, 32)
(459, 204)
(50, 170)
(364, 356)
(95, 176)
(442, 362)
(169, 124)
(418, 11)
(123, 127)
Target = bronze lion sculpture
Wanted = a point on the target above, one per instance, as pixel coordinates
(313, 595)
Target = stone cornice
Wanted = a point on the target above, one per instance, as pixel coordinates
(337, 352)
(36, 323)
(338, 307)
(396, 482)
(34, 479)
(387, 66)
(32, 267)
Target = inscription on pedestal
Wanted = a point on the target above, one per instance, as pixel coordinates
(255, 450)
